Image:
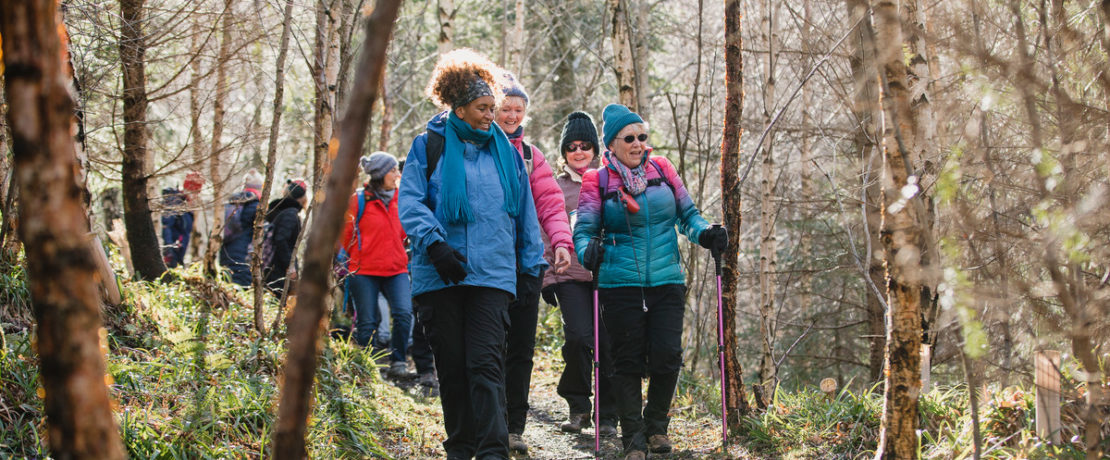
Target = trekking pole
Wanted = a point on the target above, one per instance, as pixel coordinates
(721, 347)
(597, 366)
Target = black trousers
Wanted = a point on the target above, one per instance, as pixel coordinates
(520, 346)
(466, 327)
(576, 302)
(421, 350)
(644, 344)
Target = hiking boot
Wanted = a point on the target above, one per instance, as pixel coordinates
(517, 444)
(575, 423)
(399, 370)
(635, 455)
(659, 444)
(607, 429)
(430, 383)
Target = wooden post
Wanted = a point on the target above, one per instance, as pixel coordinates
(926, 367)
(1048, 394)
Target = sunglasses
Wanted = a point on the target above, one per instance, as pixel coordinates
(576, 146)
(630, 138)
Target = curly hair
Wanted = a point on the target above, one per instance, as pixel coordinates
(455, 71)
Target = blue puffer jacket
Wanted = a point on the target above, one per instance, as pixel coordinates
(494, 245)
(641, 249)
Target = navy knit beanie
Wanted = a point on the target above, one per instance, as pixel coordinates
(615, 118)
(579, 127)
(514, 88)
(295, 188)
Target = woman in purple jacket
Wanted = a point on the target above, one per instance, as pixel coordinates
(572, 292)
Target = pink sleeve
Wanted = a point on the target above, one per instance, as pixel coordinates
(550, 207)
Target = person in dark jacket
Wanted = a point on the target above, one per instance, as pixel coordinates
(177, 226)
(283, 216)
(239, 229)
(572, 291)
(473, 227)
(625, 232)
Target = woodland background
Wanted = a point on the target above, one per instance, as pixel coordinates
(1000, 114)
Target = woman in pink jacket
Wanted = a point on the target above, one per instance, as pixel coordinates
(523, 311)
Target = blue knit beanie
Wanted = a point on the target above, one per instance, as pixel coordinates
(614, 118)
(514, 88)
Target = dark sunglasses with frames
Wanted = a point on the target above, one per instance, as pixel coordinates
(585, 147)
(630, 138)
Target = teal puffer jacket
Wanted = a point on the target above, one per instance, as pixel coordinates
(641, 249)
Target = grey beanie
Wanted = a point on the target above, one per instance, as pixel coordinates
(378, 164)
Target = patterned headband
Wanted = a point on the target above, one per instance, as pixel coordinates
(476, 89)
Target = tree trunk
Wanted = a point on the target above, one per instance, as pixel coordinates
(146, 254)
(61, 268)
(201, 222)
(865, 103)
(767, 212)
(304, 325)
(446, 13)
(903, 241)
(624, 65)
(386, 130)
(516, 58)
(215, 170)
(641, 56)
(271, 163)
(736, 399)
(805, 238)
(325, 71)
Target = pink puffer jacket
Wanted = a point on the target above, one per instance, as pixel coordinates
(548, 197)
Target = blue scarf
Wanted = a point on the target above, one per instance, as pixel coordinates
(455, 204)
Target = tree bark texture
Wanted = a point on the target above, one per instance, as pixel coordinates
(304, 325)
(767, 213)
(903, 241)
(516, 58)
(624, 65)
(271, 163)
(865, 105)
(146, 255)
(215, 169)
(445, 11)
(736, 399)
(325, 73)
(61, 268)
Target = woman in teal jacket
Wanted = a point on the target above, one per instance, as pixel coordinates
(472, 223)
(627, 213)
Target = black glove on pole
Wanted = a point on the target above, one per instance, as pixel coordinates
(448, 262)
(714, 238)
(548, 294)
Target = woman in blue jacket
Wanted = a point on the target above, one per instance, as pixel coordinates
(627, 213)
(467, 208)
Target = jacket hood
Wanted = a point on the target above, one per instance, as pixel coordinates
(279, 205)
(438, 123)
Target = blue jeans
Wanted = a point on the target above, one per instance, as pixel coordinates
(364, 290)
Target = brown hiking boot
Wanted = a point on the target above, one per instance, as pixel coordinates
(607, 430)
(517, 444)
(659, 443)
(635, 455)
(575, 423)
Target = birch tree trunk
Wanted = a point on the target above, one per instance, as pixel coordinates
(271, 162)
(767, 212)
(516, 58)
(146, 254)
(61, 267)
(735, 397)
(197, 141)
(624, 66)
(903, 241)
(304, 325)
(446, 12)
(215, 169)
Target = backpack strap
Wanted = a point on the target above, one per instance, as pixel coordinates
(433, 150)
(529, 165)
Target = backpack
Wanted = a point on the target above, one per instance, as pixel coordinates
(603, 183)
(233, 213)
(434, 149)
(267, 244)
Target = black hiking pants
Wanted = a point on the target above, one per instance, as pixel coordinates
(466, 327)
(421, 350)
(520, 346)
(576, 302)
(644, 344)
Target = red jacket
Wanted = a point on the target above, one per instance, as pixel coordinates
(382, 250)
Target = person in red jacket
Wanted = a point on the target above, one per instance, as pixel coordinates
(378, 264)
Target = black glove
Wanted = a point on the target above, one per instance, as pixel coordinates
(714, 238)
(548, 294)
(591, 259)
(449, 263)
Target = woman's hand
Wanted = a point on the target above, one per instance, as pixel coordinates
(562, 260)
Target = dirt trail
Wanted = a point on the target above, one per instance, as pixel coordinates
(695, 435)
